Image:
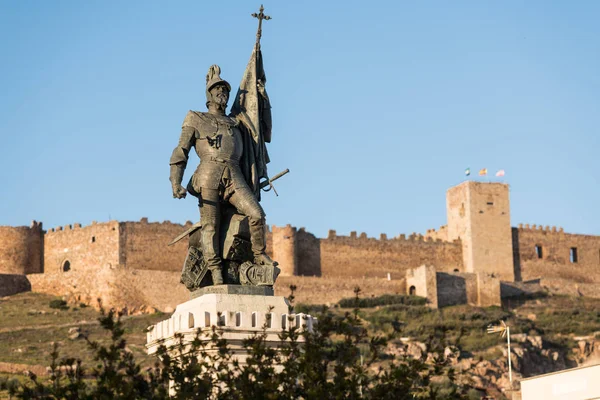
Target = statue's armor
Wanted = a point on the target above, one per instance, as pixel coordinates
(218, 143)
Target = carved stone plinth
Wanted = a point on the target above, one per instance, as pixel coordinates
(237, 316)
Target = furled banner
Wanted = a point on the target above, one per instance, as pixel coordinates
(253, 110)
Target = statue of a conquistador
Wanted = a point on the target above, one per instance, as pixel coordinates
(230, 240)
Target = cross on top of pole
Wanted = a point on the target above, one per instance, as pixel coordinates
(260, 16)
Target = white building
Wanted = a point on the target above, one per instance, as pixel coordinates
(581, 383)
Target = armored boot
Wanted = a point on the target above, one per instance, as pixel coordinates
(259, 243)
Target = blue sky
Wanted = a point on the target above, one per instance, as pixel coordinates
(378, 107)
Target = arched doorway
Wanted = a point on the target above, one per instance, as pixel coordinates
(66, 266)
(412, 291)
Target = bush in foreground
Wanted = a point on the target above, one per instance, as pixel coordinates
(338, 360)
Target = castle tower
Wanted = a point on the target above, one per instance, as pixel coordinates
(479, 214)
(21, 249)
(284, 249)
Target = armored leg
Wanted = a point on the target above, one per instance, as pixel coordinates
(245, 202)
(210, 214)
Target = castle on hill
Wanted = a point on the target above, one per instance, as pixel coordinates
(472, 259)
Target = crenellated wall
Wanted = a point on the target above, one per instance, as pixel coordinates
(441, 234)
(76, 248)
(144, 245)
(21, 249)
(363, 256)
(555, 260)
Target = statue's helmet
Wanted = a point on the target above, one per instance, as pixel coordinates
(213, 78)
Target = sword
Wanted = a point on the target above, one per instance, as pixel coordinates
(269, 182)
(197, 225)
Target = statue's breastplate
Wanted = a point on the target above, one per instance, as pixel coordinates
(219, 138)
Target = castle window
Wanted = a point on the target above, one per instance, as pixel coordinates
(412, 291)
(538, 251)
(93, 239)
(490, 203)
(573, 255)
(66, 266)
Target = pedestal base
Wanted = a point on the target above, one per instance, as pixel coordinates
(237, 316)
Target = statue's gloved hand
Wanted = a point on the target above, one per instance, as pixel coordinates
(179, 192)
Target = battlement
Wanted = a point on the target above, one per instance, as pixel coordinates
(144, 221)
(78, 226)
(383, 238)
(541, 228)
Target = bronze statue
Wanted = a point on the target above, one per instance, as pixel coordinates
(229, 241)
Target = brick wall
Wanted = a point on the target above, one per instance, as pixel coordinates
(555, 261)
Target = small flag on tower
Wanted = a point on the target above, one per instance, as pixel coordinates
(468, 171)
(500, 173)
(483, 172)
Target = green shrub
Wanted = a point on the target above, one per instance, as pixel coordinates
(59, 304)
(384, 300)
(311, 309)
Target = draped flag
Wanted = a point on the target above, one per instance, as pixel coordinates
(483, 172)
(500, 173)
(252, 109)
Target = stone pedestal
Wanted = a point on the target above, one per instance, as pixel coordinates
(237, 316)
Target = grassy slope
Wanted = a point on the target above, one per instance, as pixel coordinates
(556, 318)
(28, 326)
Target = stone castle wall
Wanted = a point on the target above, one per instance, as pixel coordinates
(76, 248)
(362, 256)
(479, 214)
(13, 283)
(144, 245)
(454, 289)
(422, 281)
(308, 248)
(555, 260)
(21, 249)
(284, 249)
